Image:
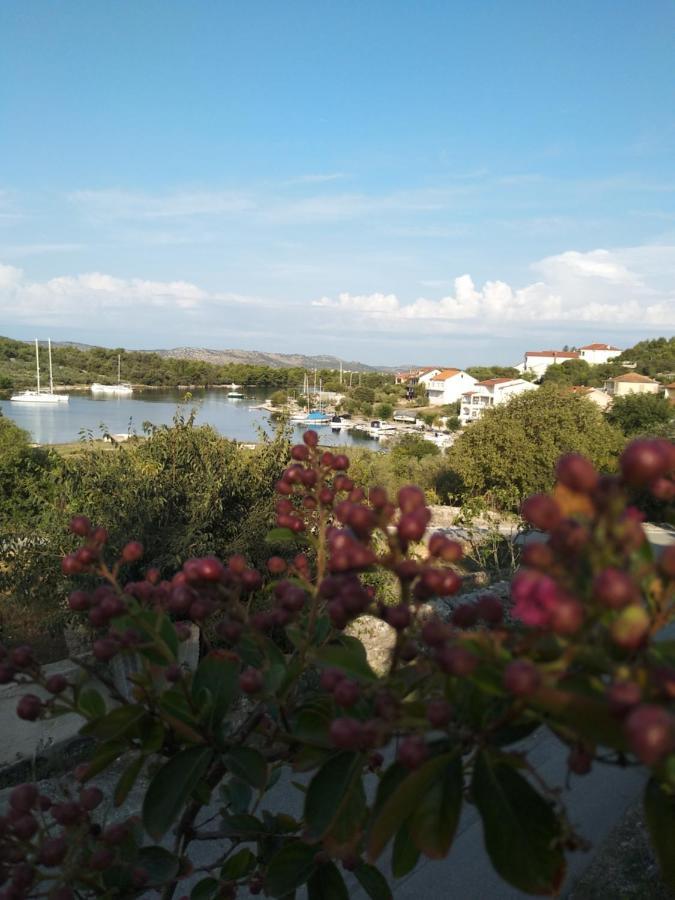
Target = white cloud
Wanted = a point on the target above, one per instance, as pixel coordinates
(114, 204)
(106, 299)
(626, 287)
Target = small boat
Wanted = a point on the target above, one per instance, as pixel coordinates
(121, 389)
(39, 396)
(379, 429)
(234, 392)
(317, 417)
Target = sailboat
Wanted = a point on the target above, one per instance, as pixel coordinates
(39, 396)
(234, 393)
(121, 389)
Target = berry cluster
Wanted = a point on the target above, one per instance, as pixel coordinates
(576, 653)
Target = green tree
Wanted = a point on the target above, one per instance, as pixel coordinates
(278, 398)
(384, 410)
(511, 451)
(413, 446)
(363, 394)
(572, 371)
(640, 413)
(482, 373)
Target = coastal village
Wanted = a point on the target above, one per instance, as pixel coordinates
(441, 400)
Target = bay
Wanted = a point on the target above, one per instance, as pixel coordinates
(86, 416)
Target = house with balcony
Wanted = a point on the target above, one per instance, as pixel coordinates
(538, 361)
(493, 392)
(448, 386)
(632, 383)
(597, 354)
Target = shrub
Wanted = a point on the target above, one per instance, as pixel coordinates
(279, 398)
(511, 450)
(640, 414)
(384, 410)
(290, 691)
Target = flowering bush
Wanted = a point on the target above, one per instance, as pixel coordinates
(285, 693)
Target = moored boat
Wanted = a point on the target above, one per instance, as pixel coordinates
(39, 396)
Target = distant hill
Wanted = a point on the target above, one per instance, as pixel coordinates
(260, 358)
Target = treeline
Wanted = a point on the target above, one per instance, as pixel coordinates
(83, 366)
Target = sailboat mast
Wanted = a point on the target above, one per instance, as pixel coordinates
(51, 377)
(119, 368)
(37, 364)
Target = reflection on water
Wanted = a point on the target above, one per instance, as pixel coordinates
(91, 415)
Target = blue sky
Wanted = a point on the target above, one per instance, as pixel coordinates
(448, 182)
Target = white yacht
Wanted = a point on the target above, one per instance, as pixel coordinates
(234, 392)
(39, 396)
(121, 389)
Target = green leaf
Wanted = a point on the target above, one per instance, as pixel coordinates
(433, 822)
(348, 659)
(152, 736)
(238, 865)
(329, 791)
(105, 756)
(160, 864)
(217, 675)
(127, 780)
(237, 795)
(117, 723)
(279, 537)
(404, 855)
(373, 882)
(402, 801)
(242, 826)
(171, 788)
(327, 883)
(205, 889)
(290, 868)
(660, 817)
(312, 724)
(522, 834)
(249, 765)
(91, 703)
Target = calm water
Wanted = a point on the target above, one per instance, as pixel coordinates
(65, 422)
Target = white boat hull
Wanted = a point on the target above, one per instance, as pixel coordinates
(118, 390)
(38, 397)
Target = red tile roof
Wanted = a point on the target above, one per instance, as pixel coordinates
(491, 382)
(599, 347)
(633, 377)
(565, 354)
(445, 374)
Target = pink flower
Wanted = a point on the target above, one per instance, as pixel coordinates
(536, 597)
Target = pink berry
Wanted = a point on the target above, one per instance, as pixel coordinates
(80, 525)
(577, 473)
(521, 678)
(29, 707)
(651, 733)
(251, 681)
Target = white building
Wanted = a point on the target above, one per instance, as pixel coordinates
(538, 361)
(595, 395)
(632, 383)
(416, 376)
(597, 354)
(492, 392)
(448, 386)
